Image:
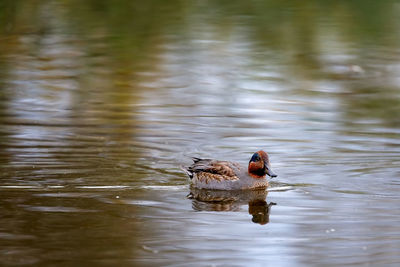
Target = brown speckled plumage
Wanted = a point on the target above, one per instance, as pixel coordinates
(225, 175)
(208, 177)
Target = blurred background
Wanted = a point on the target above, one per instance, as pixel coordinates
(102, 101)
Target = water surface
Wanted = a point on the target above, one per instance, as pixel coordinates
(101, 102)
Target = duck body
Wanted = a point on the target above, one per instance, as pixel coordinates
(226, 175)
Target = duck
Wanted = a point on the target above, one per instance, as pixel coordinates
(227, 175)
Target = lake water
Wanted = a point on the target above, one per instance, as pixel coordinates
(101, 102)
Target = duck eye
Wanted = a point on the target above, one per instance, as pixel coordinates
(255, 157)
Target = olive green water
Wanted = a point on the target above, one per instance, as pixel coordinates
(102, 101)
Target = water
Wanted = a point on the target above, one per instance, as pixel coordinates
(101, 103)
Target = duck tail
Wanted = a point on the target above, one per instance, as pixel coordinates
(195, 160)
(187, 171)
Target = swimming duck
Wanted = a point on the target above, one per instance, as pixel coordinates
(226, 175)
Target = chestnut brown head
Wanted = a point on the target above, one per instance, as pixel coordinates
(259, 165)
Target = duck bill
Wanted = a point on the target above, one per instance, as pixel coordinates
(270, 172)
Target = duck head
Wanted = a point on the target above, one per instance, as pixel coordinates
(259, 165)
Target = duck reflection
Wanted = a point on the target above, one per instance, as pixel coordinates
(219, 200)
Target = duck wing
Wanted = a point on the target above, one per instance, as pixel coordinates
(213, 169)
